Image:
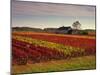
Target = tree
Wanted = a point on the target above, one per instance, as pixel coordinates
(76, 25)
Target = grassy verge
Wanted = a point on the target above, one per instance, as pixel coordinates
(78, 63)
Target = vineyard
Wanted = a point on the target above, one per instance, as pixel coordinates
(36, 48)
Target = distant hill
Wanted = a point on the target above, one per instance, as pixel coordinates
(51, 30)
(26, 29)
(60, 30)
(90, 30)
(34, 29)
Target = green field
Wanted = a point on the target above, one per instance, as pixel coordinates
(77, 63)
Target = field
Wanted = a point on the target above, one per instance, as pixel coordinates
(47, 52)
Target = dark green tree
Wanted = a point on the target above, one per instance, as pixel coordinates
(76, 25)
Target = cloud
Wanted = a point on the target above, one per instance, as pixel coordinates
(38, 8)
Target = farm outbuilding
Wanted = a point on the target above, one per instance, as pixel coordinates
(64, 30)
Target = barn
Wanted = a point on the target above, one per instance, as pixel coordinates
(64, 30)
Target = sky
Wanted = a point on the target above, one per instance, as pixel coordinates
(51, 15)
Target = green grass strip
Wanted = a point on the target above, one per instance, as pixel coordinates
(78, 63)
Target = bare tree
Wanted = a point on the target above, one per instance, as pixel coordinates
(76, 25)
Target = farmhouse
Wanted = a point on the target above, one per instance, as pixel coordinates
(64, 30)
